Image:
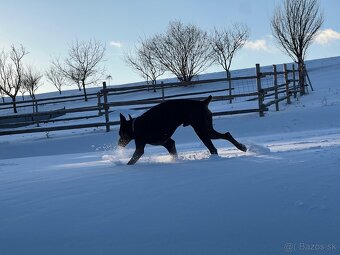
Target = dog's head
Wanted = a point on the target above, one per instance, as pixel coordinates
(125, 131)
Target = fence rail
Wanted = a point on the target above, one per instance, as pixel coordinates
(267, 88)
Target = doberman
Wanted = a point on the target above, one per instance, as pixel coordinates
(158, 124)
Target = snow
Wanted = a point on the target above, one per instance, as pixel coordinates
(72, 192)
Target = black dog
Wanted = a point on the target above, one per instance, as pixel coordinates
(157, 125)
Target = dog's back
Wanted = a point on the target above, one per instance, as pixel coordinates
(162, 120)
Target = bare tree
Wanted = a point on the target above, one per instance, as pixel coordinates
(226, 42)
(31, 81)
(183, 50)
(23, 91)
(2, 95)
(136, 63)
(145, 63)
(82, 65)
(56, 78)
(12, 72)
(295, 25)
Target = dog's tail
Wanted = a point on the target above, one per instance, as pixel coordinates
(208, 100)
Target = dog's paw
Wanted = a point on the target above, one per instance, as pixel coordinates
(243, 148)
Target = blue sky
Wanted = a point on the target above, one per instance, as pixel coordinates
(47, 28)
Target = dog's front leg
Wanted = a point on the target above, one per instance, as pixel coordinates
(137, 154)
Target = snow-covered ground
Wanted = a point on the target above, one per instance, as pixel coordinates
(70, 192)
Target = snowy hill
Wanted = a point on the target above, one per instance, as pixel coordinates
(71, 192)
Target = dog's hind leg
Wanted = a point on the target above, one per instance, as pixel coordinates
(171, 147)
(227, 136)
(213, 134)
(238, 145)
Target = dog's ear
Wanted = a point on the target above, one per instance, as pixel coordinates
(122, 118)
(130, 117)
(207, 101)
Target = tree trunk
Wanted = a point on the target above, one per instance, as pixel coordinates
(147, 83)
(301, 76)
(154, 85)
(59, 92)
(85, 94)
(3, 99)
(33, 102)
(184, 79)
(229, 86)
(14, 105)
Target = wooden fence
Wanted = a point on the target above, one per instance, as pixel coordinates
(267, 88)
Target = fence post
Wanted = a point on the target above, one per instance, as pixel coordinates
(259, 90)
(162, 86)
(287, 83)
(230, 91)
(106, 108)
(294, 81)
(99, 104)
(276, 89)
